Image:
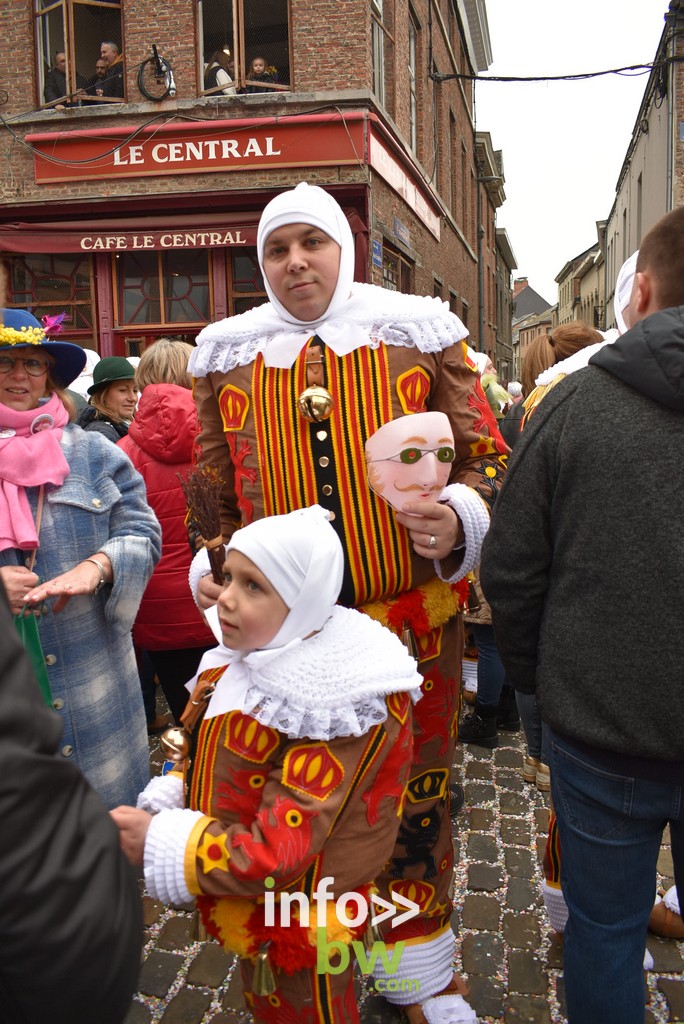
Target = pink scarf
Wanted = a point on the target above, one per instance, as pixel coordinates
(30, 455)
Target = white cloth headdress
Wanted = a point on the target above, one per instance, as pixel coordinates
(623, 290)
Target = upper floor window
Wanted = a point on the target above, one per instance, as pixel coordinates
(79, 51)
(382, 28)
(413, 84)
(244, 46)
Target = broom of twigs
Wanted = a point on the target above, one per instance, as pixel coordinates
(202, 490)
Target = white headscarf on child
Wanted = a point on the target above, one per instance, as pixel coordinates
(623, 290)
(301, 556)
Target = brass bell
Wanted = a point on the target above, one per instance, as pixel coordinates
(174, 744)
(315, 404)
(408, 638)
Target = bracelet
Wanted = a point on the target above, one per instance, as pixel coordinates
(103, 575)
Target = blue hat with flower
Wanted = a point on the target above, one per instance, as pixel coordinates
(19, 328)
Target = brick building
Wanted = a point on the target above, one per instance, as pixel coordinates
(138, 215)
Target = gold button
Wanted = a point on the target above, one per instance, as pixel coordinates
(324, 461)
(50, 659)
(27, 561)
(327, 489)
(331, 516)
(58, 703)
(67, 750)
(97, 503)
(321, 435)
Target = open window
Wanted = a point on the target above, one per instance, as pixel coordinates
(76, 29)
(247, 40)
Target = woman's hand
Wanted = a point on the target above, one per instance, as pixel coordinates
(132, 824)
(18, 582)
(430, 519)
(207, 592)
(82, 579)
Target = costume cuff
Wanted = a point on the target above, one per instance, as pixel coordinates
(162, 793)
(473, 513)
(164, 860)
(199, 567)
(427, 962)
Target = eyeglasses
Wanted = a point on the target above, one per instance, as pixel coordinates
(409, 456)
(34, 367)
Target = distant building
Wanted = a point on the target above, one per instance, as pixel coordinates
(581, 285)
(526, 300)
(527, 329)
(505, 265)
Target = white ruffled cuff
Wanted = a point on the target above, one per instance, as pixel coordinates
(671, 900)
(473, 513)
(164, 860)
(199, 567)
(162, 793)
(427, 963)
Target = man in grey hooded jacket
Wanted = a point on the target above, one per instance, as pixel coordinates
(583, 567)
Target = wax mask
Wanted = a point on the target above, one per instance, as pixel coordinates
(409, 459)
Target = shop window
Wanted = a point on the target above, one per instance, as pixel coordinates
(76, 27)
(50, 285)
(245, 284)
(236, 32)
(164, 288)
(396, 271)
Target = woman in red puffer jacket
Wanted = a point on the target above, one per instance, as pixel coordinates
(160, 443)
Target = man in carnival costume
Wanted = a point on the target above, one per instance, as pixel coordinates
(288, 394)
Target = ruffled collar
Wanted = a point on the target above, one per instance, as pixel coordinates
(294, 691)
(371, 316)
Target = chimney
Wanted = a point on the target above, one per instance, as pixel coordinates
(518, 285)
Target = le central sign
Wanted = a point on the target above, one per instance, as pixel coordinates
(304, 140)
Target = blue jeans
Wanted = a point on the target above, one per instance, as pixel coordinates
(610, 827)
(490, 670)
(531, 723)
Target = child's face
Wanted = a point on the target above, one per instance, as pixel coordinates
(251, 612)
(258, 66)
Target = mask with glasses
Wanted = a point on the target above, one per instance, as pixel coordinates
(34, 367)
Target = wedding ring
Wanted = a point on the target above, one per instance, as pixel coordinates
(432, 543)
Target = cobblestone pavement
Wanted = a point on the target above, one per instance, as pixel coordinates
(506, 949)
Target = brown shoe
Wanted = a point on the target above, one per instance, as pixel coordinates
(665, 922)
(158, 724)
(543, 778)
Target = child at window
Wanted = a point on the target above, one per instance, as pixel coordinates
(299, 769)
(259, 73)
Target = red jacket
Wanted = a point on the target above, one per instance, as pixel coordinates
(160, 445)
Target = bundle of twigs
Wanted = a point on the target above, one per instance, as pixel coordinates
(202, 489)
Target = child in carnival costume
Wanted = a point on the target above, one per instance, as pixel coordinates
(299, 771)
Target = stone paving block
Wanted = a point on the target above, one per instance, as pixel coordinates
(232, 998)
(211, 966)
(152, 911)
(541, 848)
(479, 770)
(666, 956)
(188, 1007)
(481, 912)
(674, 993)
(554, 956)
(521, 931)
(510, 780)
(541, 816)
(479, 793)
(481, 847)
(481, 753)
(458, 754)
(513, 803)
(482, 953)
(138, 1014)
(665, 865)
(526, 972)
(521, 894)
(507, 756)
(176, 933)
(479, 819)
(515, 831)
(485, 877)
(158, 973)
(486, 996)
(521, 1009)
(560, 994)
(520, 863)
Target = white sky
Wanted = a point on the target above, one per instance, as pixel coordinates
(563, 142)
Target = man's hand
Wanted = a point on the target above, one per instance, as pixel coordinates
(430, 519)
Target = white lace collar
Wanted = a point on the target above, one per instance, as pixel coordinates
(371, 316)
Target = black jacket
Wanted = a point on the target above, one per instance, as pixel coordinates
(90, 419)
(583, 564)
(56, 86)
(70, 915)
